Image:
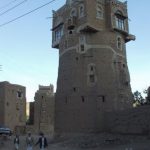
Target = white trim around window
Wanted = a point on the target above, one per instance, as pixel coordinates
(119, 43)
(81, 10)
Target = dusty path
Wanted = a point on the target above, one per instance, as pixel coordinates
(89, 142)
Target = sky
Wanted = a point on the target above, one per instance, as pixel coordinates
(26, 55)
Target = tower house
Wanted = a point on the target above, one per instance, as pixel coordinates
(93, 76)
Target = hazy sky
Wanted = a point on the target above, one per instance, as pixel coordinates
(26, 55)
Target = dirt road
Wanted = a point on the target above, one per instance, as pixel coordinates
(89, 142)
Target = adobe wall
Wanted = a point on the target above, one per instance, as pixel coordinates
(44, 110)
(13, 105)
(93, 74)
(133, 121)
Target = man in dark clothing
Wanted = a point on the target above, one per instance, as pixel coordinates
(16, 142)
(42, 142)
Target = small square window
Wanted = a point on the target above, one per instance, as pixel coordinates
(92, 68)
(82, 48)
(92, 78)
(124, 65)
(74, 89)
(83, 99)
(7, 103)
(70, 32)
(19, 94)
(77, 58)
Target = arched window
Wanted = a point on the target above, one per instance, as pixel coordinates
(99, 11)
(73, 12)
(119, 43)
(91, 68)
(81, 10)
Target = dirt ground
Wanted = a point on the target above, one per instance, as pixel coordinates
(81, 142)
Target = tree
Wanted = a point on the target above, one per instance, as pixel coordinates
(147, 92)
(138, 98)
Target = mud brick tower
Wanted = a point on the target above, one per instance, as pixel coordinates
(93, 76)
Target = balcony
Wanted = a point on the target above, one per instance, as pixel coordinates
(88, 28)
(130, 37)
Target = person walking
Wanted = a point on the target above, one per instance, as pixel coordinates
(42, 141)
(29, 141)
(16, 142)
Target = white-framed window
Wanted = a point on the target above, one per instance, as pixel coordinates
(73, 13)
(99, 11)
(92, 73)
(120, 23)
(82, 39)
(82, 48)
(81, 11)
(120, 20)
(119, 43)
(58, 33)
(91, 68)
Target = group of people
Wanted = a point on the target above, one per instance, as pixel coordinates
(42, 142)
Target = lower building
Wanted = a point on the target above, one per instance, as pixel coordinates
(44, 110)
(31, 113)
(13, 106)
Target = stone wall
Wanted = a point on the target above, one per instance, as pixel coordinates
(132, 121)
